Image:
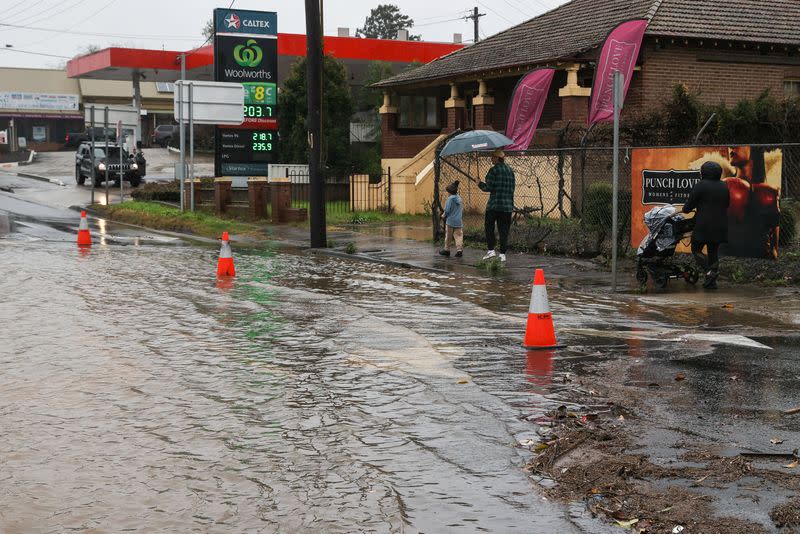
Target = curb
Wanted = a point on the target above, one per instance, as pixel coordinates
(55, 181)
(189, 237)
(369, 259)
(15, 164)
(30, 159)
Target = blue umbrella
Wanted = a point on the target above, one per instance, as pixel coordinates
(475, 141)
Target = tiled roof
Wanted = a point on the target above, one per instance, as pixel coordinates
(581, 25)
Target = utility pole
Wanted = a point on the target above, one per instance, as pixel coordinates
(475, 16)
(316, 178)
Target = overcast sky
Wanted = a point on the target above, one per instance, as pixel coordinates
(177, 24)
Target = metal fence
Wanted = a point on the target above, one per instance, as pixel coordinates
(563, 196)
(354, 193)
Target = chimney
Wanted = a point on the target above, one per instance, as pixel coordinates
(457, 38)
(402, 35)
(344, 32)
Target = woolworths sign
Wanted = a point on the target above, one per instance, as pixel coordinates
(246, 52)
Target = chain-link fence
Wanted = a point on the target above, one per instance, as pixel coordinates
(563, 197)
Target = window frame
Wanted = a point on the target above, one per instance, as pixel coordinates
(410, 113)
(788, 82)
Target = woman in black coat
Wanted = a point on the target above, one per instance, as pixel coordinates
(710, 197)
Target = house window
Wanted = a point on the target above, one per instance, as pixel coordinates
(421, 112)
(791, 88)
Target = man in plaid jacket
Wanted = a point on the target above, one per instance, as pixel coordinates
(500, 184)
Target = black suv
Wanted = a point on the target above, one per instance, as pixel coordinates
(76, 138)
(83, 164)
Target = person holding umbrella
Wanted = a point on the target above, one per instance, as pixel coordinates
(500, 184)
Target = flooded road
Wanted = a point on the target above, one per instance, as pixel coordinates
(313, 395)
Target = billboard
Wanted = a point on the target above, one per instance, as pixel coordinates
(753, 176)
(52, 102)
(246, 52)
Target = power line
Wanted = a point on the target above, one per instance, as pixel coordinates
(12, 13)
(192, 51)
(49, 14)
(435, 23)
(495, 12)
(96, 34)
(514, 6)
(460, 13)
(33, 53)
(97, 12)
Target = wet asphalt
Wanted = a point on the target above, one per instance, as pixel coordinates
(324, 394)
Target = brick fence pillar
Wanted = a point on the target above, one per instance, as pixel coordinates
(222, 194)
(281, 196)
(257, 192)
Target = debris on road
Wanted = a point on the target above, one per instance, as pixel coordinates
(591, 455)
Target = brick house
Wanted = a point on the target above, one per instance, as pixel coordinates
(723, 50)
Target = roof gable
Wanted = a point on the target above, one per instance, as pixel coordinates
(581, 25)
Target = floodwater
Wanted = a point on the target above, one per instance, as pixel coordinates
(311, 394)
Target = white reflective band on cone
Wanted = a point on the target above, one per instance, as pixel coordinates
(84, 225)
(539, 303)
(225, 250)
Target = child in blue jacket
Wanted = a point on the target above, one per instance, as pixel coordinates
(454, 226)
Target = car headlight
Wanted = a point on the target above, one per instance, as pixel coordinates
(134, 166)
(101, 167)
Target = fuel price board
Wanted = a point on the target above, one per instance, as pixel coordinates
(246, 52)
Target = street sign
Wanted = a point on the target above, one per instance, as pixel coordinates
(128, 115)
(212, 102)
(246, 52)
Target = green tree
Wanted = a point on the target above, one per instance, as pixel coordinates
(384, 22)
(337, 108)
(208, 29)
(371, 98)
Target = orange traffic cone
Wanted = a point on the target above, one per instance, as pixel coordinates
(84, 237)
(539, 333)
(225, 262)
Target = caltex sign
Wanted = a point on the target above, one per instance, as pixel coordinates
(239, 21)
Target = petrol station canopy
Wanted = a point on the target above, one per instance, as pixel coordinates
(164, 65)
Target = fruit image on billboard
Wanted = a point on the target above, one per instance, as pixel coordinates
(753, 175)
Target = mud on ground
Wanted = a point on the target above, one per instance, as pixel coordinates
(594, 456)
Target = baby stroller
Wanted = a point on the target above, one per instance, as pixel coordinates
(654, 258)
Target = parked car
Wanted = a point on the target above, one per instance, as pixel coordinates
(105, 162)
(73, 139)
(163, 134)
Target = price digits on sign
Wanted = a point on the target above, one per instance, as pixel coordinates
(257, 111)
(262, 142)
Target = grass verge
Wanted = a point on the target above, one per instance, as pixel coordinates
(161, 217)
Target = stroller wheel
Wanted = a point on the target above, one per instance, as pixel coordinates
(641, 275)
(691, 276)
(661, 280)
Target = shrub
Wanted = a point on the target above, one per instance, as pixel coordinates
(597, 212)
(788, 224)
(598, 202)
(158, 191)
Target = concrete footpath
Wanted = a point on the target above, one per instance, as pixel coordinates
(764, 308)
